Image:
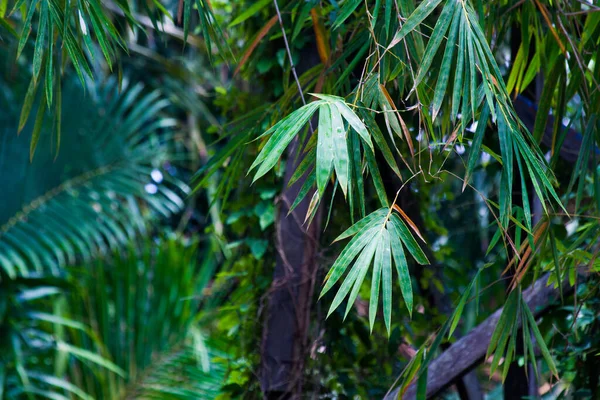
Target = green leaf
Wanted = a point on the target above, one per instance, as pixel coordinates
(460, 72)
(345, 11)
(362, 264)
(408, 240)
(249, 12)
(89, 356)
(540, 340)
(340, 150)
(420, 13)
(461, 305)
(439, 31)
(351, 250)
(442, 83)
(376, 177)
(475, 152)
(386, 277)
(376, 217)
(37, 127)
(40, 41)
(26, 27)
(61, 384)
(324, 163)
(355, 123)
(401, 266)
(380, 140)
(382, 247)
(27, 104)
(306, 186)
(283, 134)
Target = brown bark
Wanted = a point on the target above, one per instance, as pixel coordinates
(285, 337)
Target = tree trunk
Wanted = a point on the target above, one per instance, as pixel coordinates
(285, 334)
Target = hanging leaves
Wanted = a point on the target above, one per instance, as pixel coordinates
(334, 148)
(379, 237)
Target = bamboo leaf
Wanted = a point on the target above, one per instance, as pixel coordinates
(376, 281)
(418, 16)
(442, 83)
(401, 266)
(540, 340)
(351, 250)
(408, 240)
(324, 162)
(249, 12)
(340, 150)
(362, 263)
(373, 219)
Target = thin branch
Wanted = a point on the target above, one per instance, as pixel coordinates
(289, 54)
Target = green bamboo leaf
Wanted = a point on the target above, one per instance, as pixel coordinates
(350, 117)
(386, 277)
(312, 208)
(306, 186)
(353, 275)
(506, 150)
(26, 27)
(187, 11)
(351, 250)
(382, 246)
(376, 177)
(540, 340)
(340, 150)
(444, 74)
(401, 266)
(475, 152)
(471, 61)
(40, 41)
(27, 104)
(380, 141)
(409, 241)
(460, 72)
(461, 305)
(308, 161)
(345, 11)
(300, 19)
(373, 219)
(502, 342)
(439, 31)
(363, 262)
(37, 127)
(508, 312)
(420, 13)
(324, 163)
(282, 136)
(529, 349)
(249, 12)
(356, 169)
(389, 9)
(50, 66)
(510, 352)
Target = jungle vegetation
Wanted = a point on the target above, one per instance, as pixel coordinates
(289, 199)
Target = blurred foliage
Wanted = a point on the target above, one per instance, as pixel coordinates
(114, 283)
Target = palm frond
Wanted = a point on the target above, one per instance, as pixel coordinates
(100, 197)
(32, 337)
(143, 304)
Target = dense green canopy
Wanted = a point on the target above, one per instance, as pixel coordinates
(290, 199)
